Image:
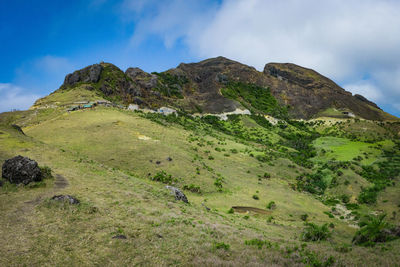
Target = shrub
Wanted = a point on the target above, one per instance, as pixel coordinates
(262, 158)
(304, 217)
(218, 183)
(345, 198)
(329, 214)
(192, 188)
(210, 157)
(163, 177)
(313, 232)
(222, 245)
(256, 197)
(230, 211)
(258, 243)
(271, 205)
(234, 151)
(368, 195)
(373, 229)
(267, 175)
(352, 206)
(46, 172)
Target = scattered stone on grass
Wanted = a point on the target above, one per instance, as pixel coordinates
(66, 198)
(159, 236)
(179, 195)
(21, 169)
(204, 205)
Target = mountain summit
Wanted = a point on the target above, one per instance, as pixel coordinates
(220, 85)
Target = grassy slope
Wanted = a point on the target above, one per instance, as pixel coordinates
(105, 156)
(67, 97)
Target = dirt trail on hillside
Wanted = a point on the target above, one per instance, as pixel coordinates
(59, 184)
(241, 209)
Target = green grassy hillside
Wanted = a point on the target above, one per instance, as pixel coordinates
(118, 163)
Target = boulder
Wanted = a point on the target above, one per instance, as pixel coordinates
(66, 198)
(179, 195)
(21, 170)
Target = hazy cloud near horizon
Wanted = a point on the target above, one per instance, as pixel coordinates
(354, 42)
(14, 97)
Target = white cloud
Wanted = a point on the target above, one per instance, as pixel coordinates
(365, 89)
(170, 20)
(43, 74)
(346, 40)
(15, 97)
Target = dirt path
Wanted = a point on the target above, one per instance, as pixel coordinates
(241, 209)
(60, 182)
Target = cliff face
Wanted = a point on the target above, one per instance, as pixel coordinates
(202, 87)
(309, 93)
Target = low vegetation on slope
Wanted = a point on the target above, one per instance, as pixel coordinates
(285, 194)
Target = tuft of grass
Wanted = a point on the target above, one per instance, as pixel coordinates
(271, 205)
(222, 245)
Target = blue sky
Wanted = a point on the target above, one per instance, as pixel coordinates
(354, 42)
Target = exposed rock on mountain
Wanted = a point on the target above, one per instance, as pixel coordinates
(90, 74)
(309, 93)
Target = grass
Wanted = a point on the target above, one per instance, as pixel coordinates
(342, 149)
(107, 155)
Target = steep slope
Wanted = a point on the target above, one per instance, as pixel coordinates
(219, 85)
(309, 93)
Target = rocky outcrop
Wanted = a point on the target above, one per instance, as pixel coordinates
(90, 74)
(21, 169)
(307, 92)
(179, 195)
(66, 198)
(363, 99)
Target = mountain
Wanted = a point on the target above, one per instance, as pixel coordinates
(260, 191)
(220, 85)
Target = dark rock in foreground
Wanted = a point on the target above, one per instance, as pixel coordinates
(21, 170)
(179, 195)
(66, 198)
